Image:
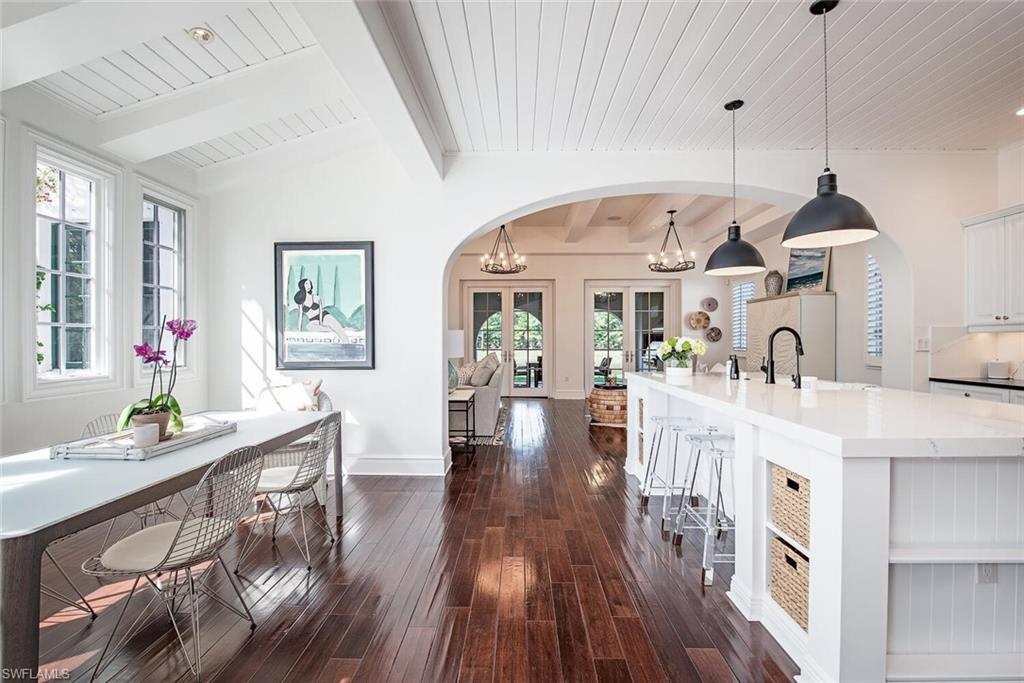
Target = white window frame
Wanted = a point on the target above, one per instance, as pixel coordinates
(732, 314)
(107, 369)
(152, 189)
(872, 361)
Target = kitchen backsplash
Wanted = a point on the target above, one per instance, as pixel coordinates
(955, 352)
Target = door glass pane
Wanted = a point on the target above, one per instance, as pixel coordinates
(648, 328)
(608, 338)
(528, 340)
(486, 324)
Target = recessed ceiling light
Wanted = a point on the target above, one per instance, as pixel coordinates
(201, 35)
(614, 218)
(1020, 112)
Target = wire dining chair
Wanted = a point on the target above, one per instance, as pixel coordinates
(145, 515)
(161, 553)
(293, 453)
(289, 483)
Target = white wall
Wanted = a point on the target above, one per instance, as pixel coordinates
(1011, 175)
(397, 411)
(569, 274)
(31, 424)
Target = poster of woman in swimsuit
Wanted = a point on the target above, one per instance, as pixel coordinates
(324, 299)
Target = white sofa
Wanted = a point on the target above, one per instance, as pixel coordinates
(488, 406)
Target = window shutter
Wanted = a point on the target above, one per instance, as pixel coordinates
(742, 292)
(873, 312)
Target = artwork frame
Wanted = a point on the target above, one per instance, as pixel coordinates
(318, 333)
(808, 270)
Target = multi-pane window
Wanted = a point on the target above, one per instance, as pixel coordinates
(873, 312)
(163, 269)
(742, 292)
(65, 271)
(486, 324)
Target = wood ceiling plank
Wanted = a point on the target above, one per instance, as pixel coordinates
(173, 55)
(527, 49)
(91, 79)
(156, 64)
(468, 133)
(402, 23)
(108, 71)
(196, 53)
(295, 23)
(456, 38)
(581, 133)
(480, 39)
(598, 41)
(135, 69)
(228, 32)
(711, 50)
(685, 19)
(503, 32)
(247, 23)
(276, 28)
(727, 79)
(72, 88)
(552, 28)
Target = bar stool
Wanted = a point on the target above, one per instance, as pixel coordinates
(677, 426)
(711, 517)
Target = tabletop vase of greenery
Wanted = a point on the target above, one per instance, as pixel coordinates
(677, 353)
(160, 407)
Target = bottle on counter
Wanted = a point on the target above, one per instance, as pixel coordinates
(734, 367)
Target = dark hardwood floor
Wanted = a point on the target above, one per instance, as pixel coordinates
(532, 563)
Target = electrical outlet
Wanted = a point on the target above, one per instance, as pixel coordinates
(987, 573)
(922, 344)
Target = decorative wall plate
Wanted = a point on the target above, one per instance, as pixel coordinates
(699, 320)
(710, 304)
(713, 334)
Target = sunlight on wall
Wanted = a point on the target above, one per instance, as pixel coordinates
(257, 353)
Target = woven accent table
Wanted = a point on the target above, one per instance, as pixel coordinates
(607, 406)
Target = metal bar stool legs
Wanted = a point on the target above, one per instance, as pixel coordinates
(710, 518)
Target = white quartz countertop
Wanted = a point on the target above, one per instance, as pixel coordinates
(860, 422)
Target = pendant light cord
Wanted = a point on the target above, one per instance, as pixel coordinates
(733, 165)
(824, 37)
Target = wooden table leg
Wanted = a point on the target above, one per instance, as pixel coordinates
(19, 618)
(339, 506)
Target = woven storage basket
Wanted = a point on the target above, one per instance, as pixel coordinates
(790, 580)
(608, 406)
(791, 504)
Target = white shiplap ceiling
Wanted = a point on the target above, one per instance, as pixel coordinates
(246, 37)
(632, 75)
(264, 135)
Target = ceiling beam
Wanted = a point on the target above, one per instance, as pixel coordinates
(580, 214)
(83, 31)
(374, 70)
(767, 225)
(222, 105)
(653, 214)
(717, 221)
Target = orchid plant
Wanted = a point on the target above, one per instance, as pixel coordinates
(163, 401)
(675, 352)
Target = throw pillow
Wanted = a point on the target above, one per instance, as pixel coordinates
(484, 370)
(465, 373)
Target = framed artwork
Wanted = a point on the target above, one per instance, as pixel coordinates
(324, 305)
(808, 269)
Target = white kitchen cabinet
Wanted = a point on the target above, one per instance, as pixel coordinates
(1017, 397)
(993, 394)
(994, 270)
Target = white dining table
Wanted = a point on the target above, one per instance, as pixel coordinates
(42, 500)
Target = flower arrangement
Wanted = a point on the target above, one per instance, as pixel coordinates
(675, 352)
(161, 408)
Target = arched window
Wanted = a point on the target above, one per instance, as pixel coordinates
(873, 312)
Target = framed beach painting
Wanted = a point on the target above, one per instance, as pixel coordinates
(324, 305)
(808, 269)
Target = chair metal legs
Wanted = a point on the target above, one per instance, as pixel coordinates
(81, 604)
(284, 506)
(168, 594)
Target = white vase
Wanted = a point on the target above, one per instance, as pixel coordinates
(678, 375)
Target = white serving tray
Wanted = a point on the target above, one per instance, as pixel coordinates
(120, 445)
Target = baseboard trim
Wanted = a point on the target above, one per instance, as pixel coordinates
(570, 394)
(397, 465)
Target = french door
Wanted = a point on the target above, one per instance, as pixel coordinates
(512, 322)
(625, 324)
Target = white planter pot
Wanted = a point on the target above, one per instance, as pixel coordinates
(679, 375)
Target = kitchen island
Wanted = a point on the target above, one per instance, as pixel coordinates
(915, 554)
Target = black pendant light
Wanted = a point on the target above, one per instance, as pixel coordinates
(662, 263)
(735, 256)
(503, 259)
(830, 219)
